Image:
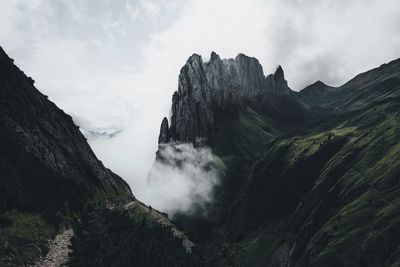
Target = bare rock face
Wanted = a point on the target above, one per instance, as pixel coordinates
(208, 89)
(276, 82)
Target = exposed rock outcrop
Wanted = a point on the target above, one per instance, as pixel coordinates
(208, 89)
(276, 82)
(59, 250)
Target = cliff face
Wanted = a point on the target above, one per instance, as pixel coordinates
(208, 89)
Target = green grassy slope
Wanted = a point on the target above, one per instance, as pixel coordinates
(328, 195)
(23, 237)
(351, 212)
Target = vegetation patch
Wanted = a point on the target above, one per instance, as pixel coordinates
(114, 238)
(23, 237)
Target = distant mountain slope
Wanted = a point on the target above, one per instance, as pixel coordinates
(312, 177)
(374, 85)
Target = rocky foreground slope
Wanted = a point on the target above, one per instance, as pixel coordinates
(312, 177)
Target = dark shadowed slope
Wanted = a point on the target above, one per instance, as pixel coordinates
(48, 172)
(43, 154)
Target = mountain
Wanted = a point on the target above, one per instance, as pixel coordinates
(52, 186)
(312, 176)
(375, 85)
(48, 172)
(208, 92)
(43, 151)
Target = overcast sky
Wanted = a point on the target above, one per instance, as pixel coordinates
(113, 64)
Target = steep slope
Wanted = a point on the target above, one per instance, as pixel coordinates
(311, 194)
(306, 170)
(44, 155)
(48, 172)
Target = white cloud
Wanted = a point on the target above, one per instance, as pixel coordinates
(133, 11)
(150, 9)
(183, 179)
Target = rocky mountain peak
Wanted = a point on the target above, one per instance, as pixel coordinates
(276, 82)
(319, 83)
(205, 88)
(279, 74)
(214, 57)
(194, 58)
(164, 132)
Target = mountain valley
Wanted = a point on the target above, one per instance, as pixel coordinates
(308, 178)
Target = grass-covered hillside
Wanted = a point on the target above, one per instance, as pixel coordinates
(328, 196)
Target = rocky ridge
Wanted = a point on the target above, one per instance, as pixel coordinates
(207, 89)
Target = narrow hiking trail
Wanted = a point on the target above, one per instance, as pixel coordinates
(59, 250)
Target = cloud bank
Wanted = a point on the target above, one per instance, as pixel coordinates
(183, 178)
(113, 65)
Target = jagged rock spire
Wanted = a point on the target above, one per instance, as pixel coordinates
(276, 82)
(206, 89)
(214, 57)
(279, 74)
(164, 132)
